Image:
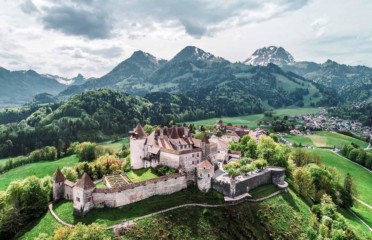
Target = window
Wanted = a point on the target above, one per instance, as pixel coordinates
(208, 175)
(197, 155)
(192, 162)
(78, 199)
(193, 155)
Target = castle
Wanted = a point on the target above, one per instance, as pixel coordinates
(198, 163)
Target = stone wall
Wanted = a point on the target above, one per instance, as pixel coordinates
(204, 177)
(137, 152)
(58, 191)
(83, 201)
(170, 159)
(248, 184)
(221, 186)
(116, 197)
(244, 184)
(68, 192)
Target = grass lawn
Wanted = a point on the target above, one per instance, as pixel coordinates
(263, 191)
(304, 140)
(39, 169)
(361, 230)
(140, 175)
(100, 185)
(46, 224)
(325, 139)
(110, 216)
(361, 177)
(339, 140)
(252, 120)
(117, 145)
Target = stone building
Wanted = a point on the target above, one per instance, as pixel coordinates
(173, 147)
(196, 161)
(204, 174)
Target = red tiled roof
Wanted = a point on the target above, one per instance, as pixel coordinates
(140, 133)
(58, 177)
(205, 163)
(85, 182)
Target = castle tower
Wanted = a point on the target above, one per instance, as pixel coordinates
(137, 147)
(204, 171)
(58, 186)
(83, 195)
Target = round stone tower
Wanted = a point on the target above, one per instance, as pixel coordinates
(204, 171)
(137, 147)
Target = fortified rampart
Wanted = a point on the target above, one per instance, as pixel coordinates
(245, 183)
(134, 192)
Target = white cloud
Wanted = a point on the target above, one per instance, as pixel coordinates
(93, 36)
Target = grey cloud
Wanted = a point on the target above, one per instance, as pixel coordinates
(97, 19)
(28, 7)
(83, 52)
(72, 20)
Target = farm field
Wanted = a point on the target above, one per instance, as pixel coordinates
(252, 120)
(361, 177)
(38, 169)
(325, 139)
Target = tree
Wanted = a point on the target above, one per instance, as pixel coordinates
(260, 163)
(233, 172)
(349, 191)
(69, 173)
(353, 154)
(251, 149)
(266, 148)
(247, 168)
(304, 185)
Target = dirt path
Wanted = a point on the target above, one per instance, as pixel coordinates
(364, 203)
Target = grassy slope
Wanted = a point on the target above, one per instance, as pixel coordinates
(251, 120)
(141, 174)
(362, 178)
(283, 216)
(325, 139)
(117, 146)
(111, 216)
(39, 169)
(46, 224)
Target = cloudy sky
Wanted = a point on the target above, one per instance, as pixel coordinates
(92, 36)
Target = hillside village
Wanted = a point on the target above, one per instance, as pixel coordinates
(322, 121)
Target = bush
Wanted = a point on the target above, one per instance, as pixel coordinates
(164, 170)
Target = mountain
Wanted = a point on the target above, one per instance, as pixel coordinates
(194, 54)
(18, 87)
(125, 76)
(79, 79)
(210, 80)
(351, 82)
(276, 55)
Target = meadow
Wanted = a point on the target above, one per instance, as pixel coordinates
(252, 120)
(38, 169)
(325, 139)
(362, 179)
(116, 145)
(140, 175)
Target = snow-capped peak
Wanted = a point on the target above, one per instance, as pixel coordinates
(271, 54)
